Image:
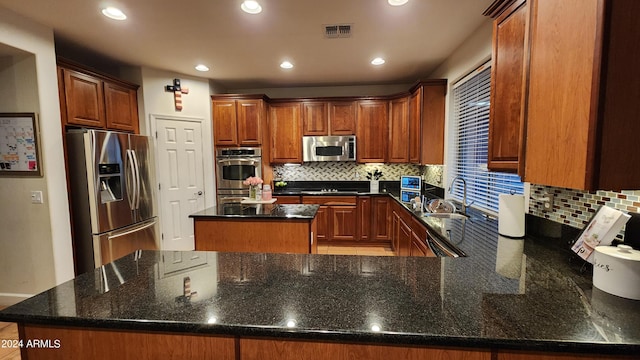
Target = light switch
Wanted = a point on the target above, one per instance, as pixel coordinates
(36, 197)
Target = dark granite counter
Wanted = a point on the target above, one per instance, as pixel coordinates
(504, 295)
(263, 211)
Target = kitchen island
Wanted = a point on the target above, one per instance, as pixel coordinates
(166, 304)
(263, 228)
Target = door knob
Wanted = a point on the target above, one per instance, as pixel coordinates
(199, 193)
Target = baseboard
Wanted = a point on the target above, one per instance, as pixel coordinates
(8, 299)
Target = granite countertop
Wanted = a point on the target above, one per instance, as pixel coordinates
(512, 294)
(262, 211)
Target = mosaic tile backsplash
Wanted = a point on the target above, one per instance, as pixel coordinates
(575, 208)
(342, 171)
(433, 175)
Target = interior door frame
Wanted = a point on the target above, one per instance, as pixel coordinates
(207, 159)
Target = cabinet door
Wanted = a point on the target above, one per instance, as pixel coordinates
(249, 122)
(372, 131)
(399, 130)
(225, 128)
(285, 132)
(417, 248)
(364, 217)
(342, 118)
(322, 219)
(288, 199)
(314, 119)
(506, 117)
(395, 236)
(84, 99)
(121, 107)
(415, 112)
(343, 222)
(381, 219)
(433, 100)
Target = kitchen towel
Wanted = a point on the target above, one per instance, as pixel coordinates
(511, 215)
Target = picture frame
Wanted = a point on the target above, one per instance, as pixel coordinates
(19, 145)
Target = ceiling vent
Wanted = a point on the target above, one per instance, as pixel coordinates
(337, 31)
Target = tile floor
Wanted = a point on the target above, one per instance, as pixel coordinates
(8, 331)
(381, 250)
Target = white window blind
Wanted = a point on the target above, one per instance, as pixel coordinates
(469, 140)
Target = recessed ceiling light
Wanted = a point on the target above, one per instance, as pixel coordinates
(114, 13)
(286, 65)
(377, 61)
(201, 67)
(251, 7)
(397, 2)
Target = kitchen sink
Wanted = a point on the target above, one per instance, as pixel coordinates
(446, 215)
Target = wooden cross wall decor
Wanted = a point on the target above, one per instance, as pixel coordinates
(177, 93)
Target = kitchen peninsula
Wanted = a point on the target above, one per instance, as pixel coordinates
(264, 228)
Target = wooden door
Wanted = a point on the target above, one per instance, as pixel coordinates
(415, 112)
(364, 217)
(84, 98)
(225, 128)
(381, 219)
(344, 220)
(372, 131)
(433, 101)
(250, 114)
(121, 108)
(315, 118)
(342, 118)
(399, 130)
(506, 117)
(285, 132)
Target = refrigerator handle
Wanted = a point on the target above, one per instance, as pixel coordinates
(130, 176)
(136, 200)
(131, 231)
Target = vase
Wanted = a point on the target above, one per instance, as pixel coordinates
(253, 192)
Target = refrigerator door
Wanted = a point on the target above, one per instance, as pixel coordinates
(143, 204)
(113, 245)
(107, 176)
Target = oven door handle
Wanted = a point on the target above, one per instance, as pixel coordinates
(252, 161)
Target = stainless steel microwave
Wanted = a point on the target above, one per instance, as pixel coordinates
(328, 148)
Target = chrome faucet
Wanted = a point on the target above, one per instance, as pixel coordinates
(465, 205)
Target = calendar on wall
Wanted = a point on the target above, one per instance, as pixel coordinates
(19, 145)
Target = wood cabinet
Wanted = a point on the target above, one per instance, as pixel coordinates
(506, 112)
(285, 132)
(399, 130)
(337, 217)
(432, 122)
(288, 199)
(418, 248)
(415, 126)
(237, 122)
(91, 99)
(320, 118)
(380, 219)
(364, 218)
(372, 131)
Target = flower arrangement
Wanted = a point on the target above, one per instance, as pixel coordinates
(253, 181)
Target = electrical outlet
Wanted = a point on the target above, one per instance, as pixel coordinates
(547, 202)
(36, 197)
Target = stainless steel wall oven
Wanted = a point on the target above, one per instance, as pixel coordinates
(233, 166)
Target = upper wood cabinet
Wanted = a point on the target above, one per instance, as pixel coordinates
(582, 105)
(415, 126)
(91, 99)
(506, 118)
(399, 130)
(328, 118)
(285, 132)
(372, 131)
(237, 122)
(432, 121)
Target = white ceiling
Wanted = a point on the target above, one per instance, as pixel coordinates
(244, 51)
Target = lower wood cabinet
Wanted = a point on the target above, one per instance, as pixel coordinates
(288, 199)
(364, 218)
(337, 217)
(381, 219)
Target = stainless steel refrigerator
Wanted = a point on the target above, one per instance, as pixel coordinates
(111, 196)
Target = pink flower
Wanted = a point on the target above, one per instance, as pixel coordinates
(253, 181)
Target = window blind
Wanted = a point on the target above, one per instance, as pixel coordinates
(468, 145)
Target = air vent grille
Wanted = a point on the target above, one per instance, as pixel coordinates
(335, 31)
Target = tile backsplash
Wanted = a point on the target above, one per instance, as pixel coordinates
(342, 171)
(575, 208)
(433, 175)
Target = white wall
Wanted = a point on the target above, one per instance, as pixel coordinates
(473, 52)
(196, 104)
(35, 241)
